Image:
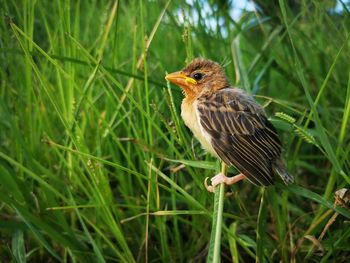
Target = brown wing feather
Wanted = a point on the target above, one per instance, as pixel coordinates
(241, 134)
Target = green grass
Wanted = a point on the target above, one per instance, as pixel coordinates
(97, 165)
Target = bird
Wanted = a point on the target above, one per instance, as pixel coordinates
(230, 125)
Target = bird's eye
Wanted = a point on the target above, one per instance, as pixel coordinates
(198, 76)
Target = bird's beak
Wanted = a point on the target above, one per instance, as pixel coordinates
(180, 79)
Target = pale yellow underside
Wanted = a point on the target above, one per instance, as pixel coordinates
(189, 114)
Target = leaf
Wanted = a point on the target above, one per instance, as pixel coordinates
(18, 247)
(233, 243)
(197, 164)
(298, 190)
(260, 234)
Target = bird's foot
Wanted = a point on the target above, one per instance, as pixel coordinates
(221, 178)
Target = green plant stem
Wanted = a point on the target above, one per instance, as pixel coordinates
(215, 238)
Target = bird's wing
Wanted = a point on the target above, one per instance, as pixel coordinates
(240, 133)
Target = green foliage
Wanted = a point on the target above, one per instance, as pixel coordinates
(285, 117)
(97, 165)
(300, 131)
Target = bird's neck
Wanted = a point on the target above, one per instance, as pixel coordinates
(190, 98)
(191, 95)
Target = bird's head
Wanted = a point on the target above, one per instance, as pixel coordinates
(198, 76)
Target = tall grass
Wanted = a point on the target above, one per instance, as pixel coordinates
(96, 164)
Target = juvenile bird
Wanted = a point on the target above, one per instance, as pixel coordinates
(230, 124)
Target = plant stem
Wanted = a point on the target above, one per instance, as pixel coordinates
(215, 239)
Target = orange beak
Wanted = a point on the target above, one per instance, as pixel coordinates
(180, 79)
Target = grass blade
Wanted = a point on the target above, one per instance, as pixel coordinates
(18, 247)
(214, 254)
(261, 230)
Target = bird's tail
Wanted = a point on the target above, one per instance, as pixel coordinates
(280, 169)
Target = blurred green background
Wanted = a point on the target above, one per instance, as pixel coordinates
(96, 164)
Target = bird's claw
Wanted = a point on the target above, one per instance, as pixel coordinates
(216, 180)
(210, 188)
(221, 178)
